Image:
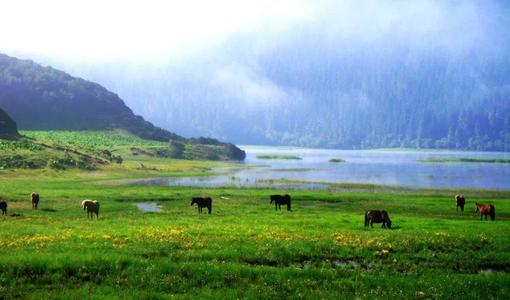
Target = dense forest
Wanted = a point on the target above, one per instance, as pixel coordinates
(43, 98)
(358, 100)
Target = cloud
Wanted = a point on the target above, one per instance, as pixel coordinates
(241, 84)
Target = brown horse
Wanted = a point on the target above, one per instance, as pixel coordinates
(34, 198)
(377, 216)
(460, 202)
(486, 210)
(3, 207)
(92, 207)
(280, 200)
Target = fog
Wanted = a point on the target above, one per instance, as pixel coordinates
(276, 72)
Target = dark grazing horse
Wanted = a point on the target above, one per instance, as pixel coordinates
(486, 210)
(3, 207)
(460, 202)
(377, 216)
(280, 200)
(34, 198)
(92, 207)
(202, 202)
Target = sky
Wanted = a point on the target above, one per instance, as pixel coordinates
(135, 30)
(154, 30)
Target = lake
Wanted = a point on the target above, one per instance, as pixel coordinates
(382, 167)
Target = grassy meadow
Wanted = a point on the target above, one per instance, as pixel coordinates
(244, 249)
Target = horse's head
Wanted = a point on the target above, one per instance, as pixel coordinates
(477, 207)
(193, 201)
(389, 223)
(85, 203)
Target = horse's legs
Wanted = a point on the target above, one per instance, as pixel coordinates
(209, 209)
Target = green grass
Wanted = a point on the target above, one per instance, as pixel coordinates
(278, 156)
(336, 160)
(244, 249)
(122, 143)
(469, 160)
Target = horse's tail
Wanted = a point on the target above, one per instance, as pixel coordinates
(493, 212)
(366, 219)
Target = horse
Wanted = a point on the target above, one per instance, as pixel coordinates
(280, 200)
(92, 206)
(460, 202)
(486, 210)
(201, 203)
(3, 207)
(377, 216)
(34, 198)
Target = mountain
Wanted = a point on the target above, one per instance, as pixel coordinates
(43, 98)
(8, 128)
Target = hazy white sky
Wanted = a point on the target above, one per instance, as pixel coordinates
(128, 29)
(99, 30)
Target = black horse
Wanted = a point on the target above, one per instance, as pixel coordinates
(3, 207)
(460, 201)
(280, 200)
(202, 202)
(377, 216)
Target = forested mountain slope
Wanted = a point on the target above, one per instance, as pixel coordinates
(8, 129)
(43, 98)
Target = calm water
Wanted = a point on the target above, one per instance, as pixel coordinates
(149, 207)
(385, 167)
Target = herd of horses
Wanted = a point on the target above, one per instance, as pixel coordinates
(371, 216)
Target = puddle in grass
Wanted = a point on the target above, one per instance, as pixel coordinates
(148, 207)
